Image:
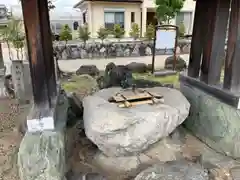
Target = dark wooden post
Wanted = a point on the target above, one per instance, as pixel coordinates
(37, 27)
(232, 63)
(198, 35)
(218, 14)
(1, 56)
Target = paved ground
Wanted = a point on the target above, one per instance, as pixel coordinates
(73, 65)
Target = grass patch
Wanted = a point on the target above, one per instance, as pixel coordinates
(80, 84)
(171, 79)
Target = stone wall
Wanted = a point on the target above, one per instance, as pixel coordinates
(214, 122)
(77, 50)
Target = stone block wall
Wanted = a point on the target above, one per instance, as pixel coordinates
(77, 50)
(214, 122)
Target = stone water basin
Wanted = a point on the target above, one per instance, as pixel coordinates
(128, 131)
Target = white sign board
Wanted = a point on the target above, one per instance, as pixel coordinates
(165, 39)
(46, 123)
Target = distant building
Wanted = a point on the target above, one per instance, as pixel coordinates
(106, 13)
(3, 16)
(58, 17)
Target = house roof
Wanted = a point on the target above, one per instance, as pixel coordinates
(128, 1)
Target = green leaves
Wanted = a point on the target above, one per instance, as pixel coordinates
(150, 32)
(65, 33)
(135, 31)
(118, 32)
(13, 33)
(84, 34)
(167, 9)
(103, 33)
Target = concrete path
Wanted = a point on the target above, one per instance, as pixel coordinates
(73, 65)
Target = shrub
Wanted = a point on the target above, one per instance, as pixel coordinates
(65, 33)
(84, 34)
(150, 32)
(103, 33)
(135, 31)
(118, 31)
(181, 30)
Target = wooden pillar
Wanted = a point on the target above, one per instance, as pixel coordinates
(218, 14)
(232, 63)
(40, 50)
(1, 57)
(198, 35)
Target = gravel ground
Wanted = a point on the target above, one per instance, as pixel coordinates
(10, 116)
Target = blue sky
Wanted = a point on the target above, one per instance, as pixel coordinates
(58, 3)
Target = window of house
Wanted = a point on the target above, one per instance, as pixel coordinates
(58, 27)
(132, 17)
(111, 18)
(84, 18)
(186, 19)
(75, 25)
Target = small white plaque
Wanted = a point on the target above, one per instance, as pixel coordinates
(165, 39)
(46, 123)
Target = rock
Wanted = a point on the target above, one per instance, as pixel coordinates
(180, 170)
(142, 49)
(165, 150)
(42, 156)
(180, 63)
(216, 123)
(91, 70)
(148, 51)
(119, 131)
(117, 76)
(75, 53)
(137, 67)
(149, 67)
(127, 165)
(75, 110)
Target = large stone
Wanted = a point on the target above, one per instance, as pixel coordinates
(124, 131)
(137, 67)
(180, 63)
(41, 156)
(91, 70)
(214, 122)
(163, 151)
(122, 166)
(175, 170)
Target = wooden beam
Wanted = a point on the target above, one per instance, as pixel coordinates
(37, 27)
(218, 14)
(198, 34)
(232, 63)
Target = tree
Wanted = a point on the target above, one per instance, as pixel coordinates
(102, 33)
(167, 9)
(118, 31)
(135, 31)
(150, 32)
(13, 34)
(181, 30)
(84, 34)
(65, 34)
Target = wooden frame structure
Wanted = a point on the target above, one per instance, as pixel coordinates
(40, 52)
(205, 63)
(165, 27)
(208, 45)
